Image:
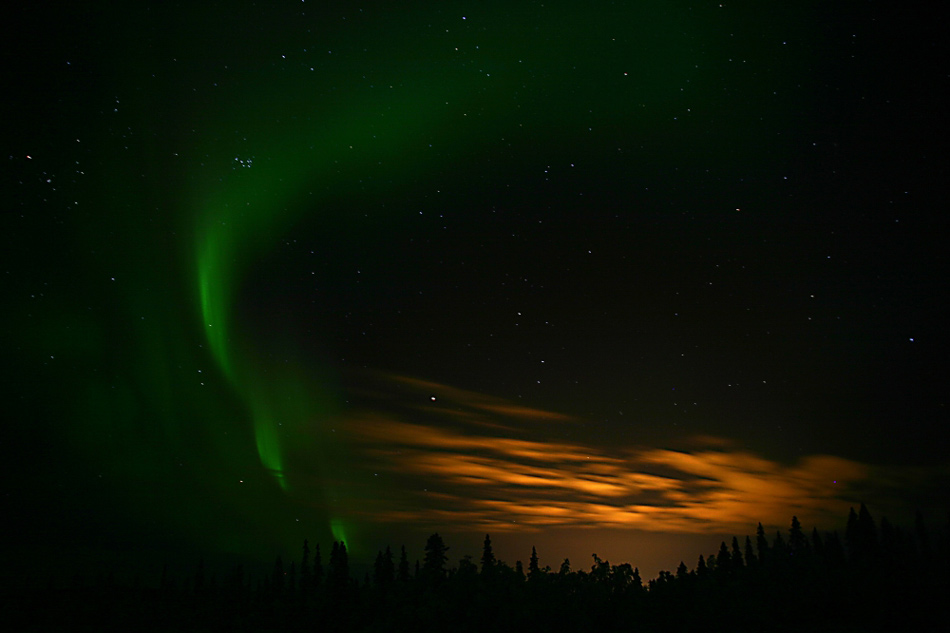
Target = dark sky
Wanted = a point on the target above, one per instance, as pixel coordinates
(628, 276)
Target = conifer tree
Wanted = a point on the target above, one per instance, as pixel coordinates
(488, 556)
(533, 569)
(403, 574)
(762, 544)
(317, 566)
(779, 548)
(868, 530)
(681, 571)
(797, 544)
(861, 536)
(384, 569)
(724, 559)
(338, 574)
(565, 567)
(305, 567)
(750, 559)
(435, 557)
(736, 554)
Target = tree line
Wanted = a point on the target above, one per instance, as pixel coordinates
(875, 577)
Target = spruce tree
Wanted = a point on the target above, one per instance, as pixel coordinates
(488, 556)
(433, 567)
(701, 568)
(750, 559)
(681, 571)
(383, 569)
(403, 574)
(868, 531)
(724, 559)
(305, 567)
(762, 545)
(533, 569)
(317, 566)
(797, 544)
(338, 575)
(736, 554)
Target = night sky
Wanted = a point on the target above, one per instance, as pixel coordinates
(621, 277)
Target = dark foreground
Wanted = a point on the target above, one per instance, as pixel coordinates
(875, 578)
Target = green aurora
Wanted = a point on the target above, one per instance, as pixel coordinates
(501, 74)
(228, 152)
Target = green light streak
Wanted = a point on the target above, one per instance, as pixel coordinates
(339, 532)
(213, 298)
(241, 220)
(313, 140)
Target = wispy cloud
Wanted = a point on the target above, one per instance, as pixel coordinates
(467, 459)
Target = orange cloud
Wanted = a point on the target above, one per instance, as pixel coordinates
(462, 463)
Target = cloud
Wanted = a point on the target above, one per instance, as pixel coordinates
(469, 460)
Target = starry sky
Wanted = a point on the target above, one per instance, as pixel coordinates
(624, 278)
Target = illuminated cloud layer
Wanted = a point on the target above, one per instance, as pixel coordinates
(467, 459)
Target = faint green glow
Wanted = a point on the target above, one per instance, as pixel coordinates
(213, 305)
(339, 531)
(268, 448)
(321, 135)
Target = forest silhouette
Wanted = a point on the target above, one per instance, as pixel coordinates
(875, 577)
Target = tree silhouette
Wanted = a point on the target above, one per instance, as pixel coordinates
(305, 571)
(533, 570)
(433, 567)
(805, 584)
(762, 545)
(750, 559)
(565, 568)
(338, 574)
(519, 570)
(384, 570)
(403, 573)
(681, 571)
(723, 559)
(797, 544)
(317, 566)
(737, 562)
(488, 556)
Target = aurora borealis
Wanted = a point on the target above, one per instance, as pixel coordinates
(628, 273)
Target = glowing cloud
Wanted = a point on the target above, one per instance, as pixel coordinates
(477, 474)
